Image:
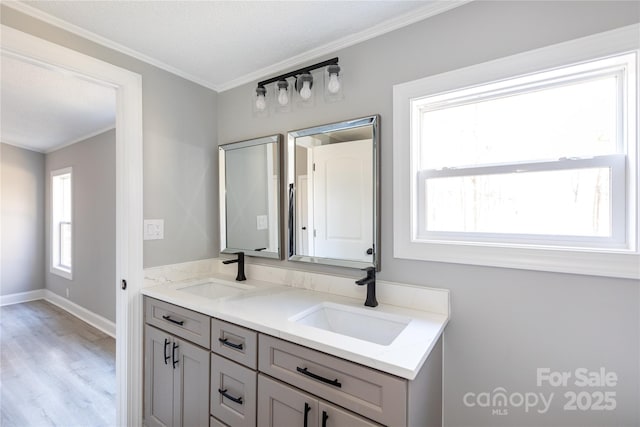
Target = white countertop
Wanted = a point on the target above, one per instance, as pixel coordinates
(268, 307)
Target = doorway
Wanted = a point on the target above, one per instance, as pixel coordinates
(129, 269)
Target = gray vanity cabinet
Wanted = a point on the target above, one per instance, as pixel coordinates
(233, 374)
(282, 405)
(203, 371)
(362, 391)
(176, 375)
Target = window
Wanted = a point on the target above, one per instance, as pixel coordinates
(61, 223)
(527, 162)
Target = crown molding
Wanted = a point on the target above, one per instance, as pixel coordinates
(80, 139)
(91, 36)
(59, 146)
(23, 147)
(431, 9)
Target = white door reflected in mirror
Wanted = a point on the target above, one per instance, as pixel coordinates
(333, 194)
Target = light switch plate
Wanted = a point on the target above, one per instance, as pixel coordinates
(153, 229)
(261, 222)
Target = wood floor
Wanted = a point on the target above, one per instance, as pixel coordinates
(55, 370)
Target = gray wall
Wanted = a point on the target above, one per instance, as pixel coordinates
(179, 149)
(94, 223)
(21, 220)
(505, 323)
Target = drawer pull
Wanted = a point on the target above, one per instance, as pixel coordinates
(177, 322)
(225, 341)
(238, 400)
(304, 371)
(325, 417)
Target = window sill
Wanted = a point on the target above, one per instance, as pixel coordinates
(607, 264)
(67, 274)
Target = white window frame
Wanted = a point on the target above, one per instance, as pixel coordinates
(612, 260)
(55, 265)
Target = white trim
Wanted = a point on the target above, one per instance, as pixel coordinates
(96, 38)
(54, 236)
(95, 320)
(103, 324)
(21, 297)
(431, 9)
(63, 145)
(625, 265)
(22, 146)
(80, 139)
(129, 198)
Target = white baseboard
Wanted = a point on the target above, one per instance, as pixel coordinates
(19, 297)
(95, 320)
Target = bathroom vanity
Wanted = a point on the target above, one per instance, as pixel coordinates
(295, 348)
(264, 354)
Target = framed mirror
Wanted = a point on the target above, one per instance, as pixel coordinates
(333, 194)
(250, 204)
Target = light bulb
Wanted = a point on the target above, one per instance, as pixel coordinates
(261, 103)
(305, 92)
(334, 84)
(283, 96)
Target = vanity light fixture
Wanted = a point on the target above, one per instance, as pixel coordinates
(302, 83)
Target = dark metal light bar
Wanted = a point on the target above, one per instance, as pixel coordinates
(332, 61)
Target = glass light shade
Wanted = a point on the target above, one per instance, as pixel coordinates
(334, 84)
(261, 103)
(283, 93)
(305, 92)
(333, 88)
(283, 97)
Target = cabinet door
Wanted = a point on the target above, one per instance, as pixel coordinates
(280, 405)
(332, 416)
(158, 378)
(191, 385)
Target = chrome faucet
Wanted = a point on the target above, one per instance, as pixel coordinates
(370, 281)
(240, 260)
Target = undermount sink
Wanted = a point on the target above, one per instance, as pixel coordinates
(364, 324)
(214, 290)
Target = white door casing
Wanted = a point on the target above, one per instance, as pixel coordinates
(129, 267)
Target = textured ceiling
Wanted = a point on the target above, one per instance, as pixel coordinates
(44, 108)
(221, 44)
(218, 44)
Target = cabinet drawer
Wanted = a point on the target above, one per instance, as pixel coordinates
(235, 342)
(233, 392)
(280, 405)
(187, 324)
(216, 423)
(337, 417)
(370, 393)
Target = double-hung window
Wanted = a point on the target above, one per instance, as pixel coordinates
(61, 223)
(536, 167)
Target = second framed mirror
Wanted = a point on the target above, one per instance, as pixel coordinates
(333, 194)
